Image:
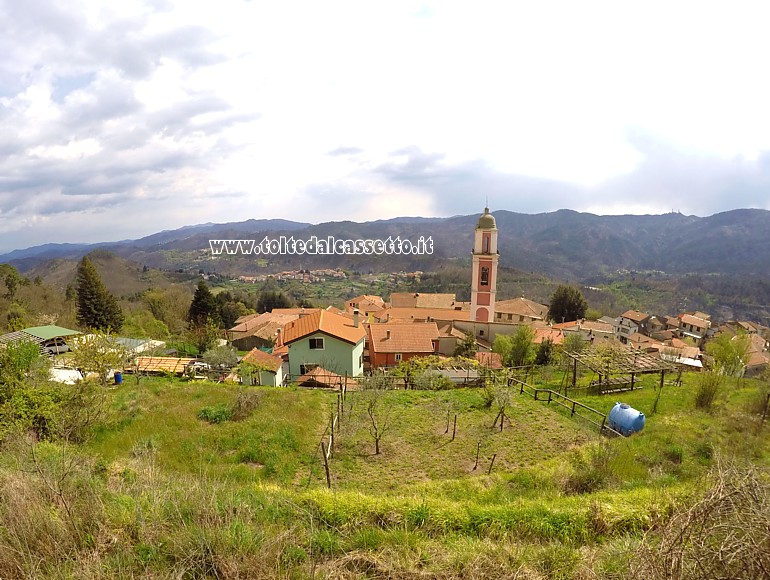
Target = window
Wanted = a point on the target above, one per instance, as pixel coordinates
(481, 333)
(316, 344)
(484, 276)
(510, 317)
(486, 244)
(360, 360)
(398, 357)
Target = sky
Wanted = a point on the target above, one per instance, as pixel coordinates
(122, 119)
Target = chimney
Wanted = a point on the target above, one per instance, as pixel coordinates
(387, 335)
(302, 313)
(355, 317)
(278, 338)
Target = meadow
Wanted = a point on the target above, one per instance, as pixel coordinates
(202, 480)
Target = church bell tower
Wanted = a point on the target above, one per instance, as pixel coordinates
(484, 280)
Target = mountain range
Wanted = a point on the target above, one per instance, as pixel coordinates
(563, 244)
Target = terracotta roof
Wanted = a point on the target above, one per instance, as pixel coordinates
(335, 310)
(405, 337)
(365, 303)
(422, 314)
(635, 315)
(422, 300)
(264, 326)
(592, 325)
(695, 321)
(448, 330)
(162, 364)
(544, 333)
(521, 307)
(490, 360)
(296, 311)
(321, 377)
(261, 358)
(323, 321)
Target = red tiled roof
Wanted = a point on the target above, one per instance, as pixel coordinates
(403, 337)
(544, 333)
(422, 300)
(635, 315)
(261, 358)
(323, 321)
(320, 376)
(422, 314)
(521, 307)
(490, 360)
(695, 321)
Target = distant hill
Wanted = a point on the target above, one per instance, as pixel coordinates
(122, 277)
(564, 244)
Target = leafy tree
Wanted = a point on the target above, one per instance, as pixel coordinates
(99, 353)
(12, 279)
(221, 357)
(203, 307)
(522, 347)
(21, 362)
(466, 347)
(730, 353)
(502, 346)
(97, 308)
(567, 304)
(170, 306)
(270, 300)
(544, 352)
(203, 337)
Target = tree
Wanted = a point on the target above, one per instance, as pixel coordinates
(730, 353)
(270, 300)
(203, 337)
(97, 308)
(522, 347)
(378, 410)
(221, 357)
(567, 304)
(544, 352)
(466, 347)
(21, 362)
(203, 307)
(99, 353)
(502, 346)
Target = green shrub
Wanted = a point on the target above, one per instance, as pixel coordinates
(216, 414)
(707, 388)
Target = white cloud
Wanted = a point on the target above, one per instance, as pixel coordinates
(196, 111)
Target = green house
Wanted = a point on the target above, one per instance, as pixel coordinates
(325, 339)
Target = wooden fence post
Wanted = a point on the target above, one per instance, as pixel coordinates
(454, 429)
(478, 449)
(326, 466)
(489, 471)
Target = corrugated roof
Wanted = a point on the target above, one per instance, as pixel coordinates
(162, 364)
(50, 331)
(323, 321)
(403, 337)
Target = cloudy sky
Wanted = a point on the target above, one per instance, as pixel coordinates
(120, 119)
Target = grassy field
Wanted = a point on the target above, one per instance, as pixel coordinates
(198, 480)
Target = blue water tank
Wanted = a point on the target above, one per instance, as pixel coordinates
(118, 377)
(625, 419)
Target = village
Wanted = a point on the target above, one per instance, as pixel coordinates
(326, 347)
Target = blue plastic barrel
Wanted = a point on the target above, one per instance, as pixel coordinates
(118, 377)
(625, 419)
